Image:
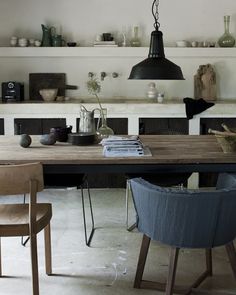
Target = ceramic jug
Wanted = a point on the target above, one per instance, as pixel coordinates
(47, 36)
(87, 120)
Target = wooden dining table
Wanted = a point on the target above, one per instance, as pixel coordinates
(169, 153)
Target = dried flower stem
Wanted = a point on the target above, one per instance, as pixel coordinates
(94, 88)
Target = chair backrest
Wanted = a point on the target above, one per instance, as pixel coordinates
(185, 218)
(15, 179)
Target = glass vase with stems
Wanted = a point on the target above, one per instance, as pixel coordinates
(103, 131)
(226, 40)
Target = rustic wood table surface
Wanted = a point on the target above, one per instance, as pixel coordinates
(195, 153)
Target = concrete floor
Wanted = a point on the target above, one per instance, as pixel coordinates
(108, 266)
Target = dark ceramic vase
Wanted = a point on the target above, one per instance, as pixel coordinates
(61, 133)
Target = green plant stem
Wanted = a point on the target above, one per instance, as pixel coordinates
(103, 118)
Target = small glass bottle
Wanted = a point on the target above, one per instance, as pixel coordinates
(226, 40)
(135, 41)
(104, 131)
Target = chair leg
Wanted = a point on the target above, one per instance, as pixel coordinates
(0, 258)
(48, 251)
(127, 191)
(232, 256)
(209, 261)
(127, 195)
(34, 264)
(172, 270)
(141, 261)
(87, 239)
(23, 243)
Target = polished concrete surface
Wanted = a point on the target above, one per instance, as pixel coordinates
(108, 266)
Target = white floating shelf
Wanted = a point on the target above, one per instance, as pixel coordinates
(117, 52)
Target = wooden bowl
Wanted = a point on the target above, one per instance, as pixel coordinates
(227, 143)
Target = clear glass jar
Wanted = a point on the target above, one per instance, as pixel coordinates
(151, 91)
(226, 40)
(135, 41)
(103, 131)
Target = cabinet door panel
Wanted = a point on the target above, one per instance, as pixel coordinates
(37, 126)
(49, 123)
(101, 180)
(28, 126)
(1, 126)
(163, 126)
(118, 125)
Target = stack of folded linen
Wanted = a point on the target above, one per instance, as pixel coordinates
(117, 146)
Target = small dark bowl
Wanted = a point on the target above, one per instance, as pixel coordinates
(71, 44)
(82, 138)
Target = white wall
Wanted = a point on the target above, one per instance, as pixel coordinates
(82, 20)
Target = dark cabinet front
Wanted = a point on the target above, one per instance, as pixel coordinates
(37, 126)
(120, 127)
(1, 126)
(163, 126)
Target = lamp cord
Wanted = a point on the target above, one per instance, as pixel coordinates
(155, 14)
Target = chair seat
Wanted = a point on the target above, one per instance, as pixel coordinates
(14, 218)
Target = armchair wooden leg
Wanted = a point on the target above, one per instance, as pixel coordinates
(209, 261)
(141, 261)
(172, 270)
(34, 264)
(232, 256)
(48, 252)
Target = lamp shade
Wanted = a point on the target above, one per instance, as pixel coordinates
(156, 66)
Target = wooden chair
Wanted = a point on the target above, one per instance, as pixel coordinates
(26, 219)
(184, 219)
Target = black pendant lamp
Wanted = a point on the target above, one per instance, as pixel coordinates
(156, 66)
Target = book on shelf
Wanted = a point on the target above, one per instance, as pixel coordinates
(108, 45)
(104, 43)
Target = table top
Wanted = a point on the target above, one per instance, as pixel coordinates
(165, 149)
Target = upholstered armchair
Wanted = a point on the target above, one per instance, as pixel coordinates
(185, 219)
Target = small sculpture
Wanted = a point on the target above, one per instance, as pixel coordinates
(48, 139)
(25, 140)
(205, 83)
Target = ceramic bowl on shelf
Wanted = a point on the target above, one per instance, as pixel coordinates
(71, 44)
(182, 43)
(48, 94)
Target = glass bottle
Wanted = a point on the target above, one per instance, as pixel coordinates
(226, 40)
(104, 131)
(135, 41)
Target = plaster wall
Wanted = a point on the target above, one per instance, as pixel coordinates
(83, 20)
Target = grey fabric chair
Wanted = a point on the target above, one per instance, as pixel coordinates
(185, 219)
(161, 179)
